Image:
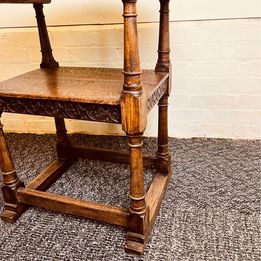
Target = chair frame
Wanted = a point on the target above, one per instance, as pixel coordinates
(144, 206)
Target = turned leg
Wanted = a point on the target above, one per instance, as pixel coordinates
(12, 208)
(63, 145)
(163, 65)
(163, 147)
(139, 216)
(134, 120)
(48, 60)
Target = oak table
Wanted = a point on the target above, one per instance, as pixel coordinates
(94, 94)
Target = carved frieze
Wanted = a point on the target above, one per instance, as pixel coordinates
(64, 109)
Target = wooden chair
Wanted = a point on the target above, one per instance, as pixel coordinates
(94, 94)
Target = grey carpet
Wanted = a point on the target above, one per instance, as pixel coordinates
(211, 210)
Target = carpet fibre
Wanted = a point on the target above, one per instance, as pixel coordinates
(211, 210)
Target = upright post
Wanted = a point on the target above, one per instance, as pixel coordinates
(163, 65)
(12, 208)
(134, 116)
(48, 60)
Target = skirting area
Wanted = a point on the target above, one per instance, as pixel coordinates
(211, 210)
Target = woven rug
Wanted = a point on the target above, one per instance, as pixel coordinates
(211, 210)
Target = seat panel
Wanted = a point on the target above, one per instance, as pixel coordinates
(77, 84)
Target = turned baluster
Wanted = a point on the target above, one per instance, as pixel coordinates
(12, 208)
(163, 65)
(134, 115)
(48, 60)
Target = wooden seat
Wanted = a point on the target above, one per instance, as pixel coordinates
(79, 84)
(94, 94)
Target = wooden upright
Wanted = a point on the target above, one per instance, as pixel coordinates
(51, 91)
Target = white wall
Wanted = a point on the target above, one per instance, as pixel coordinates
(217, 66)
(67, 12)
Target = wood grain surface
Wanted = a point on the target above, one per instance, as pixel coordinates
(87, 85)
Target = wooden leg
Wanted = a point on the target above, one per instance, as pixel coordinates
(163, 65)
(12, 208)
(163, 147)
(63, 145)
(139, 217)
(48, 60)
